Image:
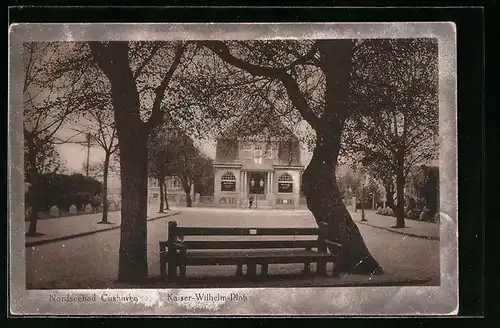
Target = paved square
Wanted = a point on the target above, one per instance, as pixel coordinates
(92, 261)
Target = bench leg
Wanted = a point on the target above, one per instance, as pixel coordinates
(252, 269)
(307, 268)
(182, 271)
(263, 269)
(239, 270)
(321, 268)
(335, 272)
(163, 267)
(172, 271)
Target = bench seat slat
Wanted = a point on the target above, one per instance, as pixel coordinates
(267, 257)
(197, 231)
(251, 244)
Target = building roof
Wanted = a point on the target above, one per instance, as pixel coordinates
(258, 125)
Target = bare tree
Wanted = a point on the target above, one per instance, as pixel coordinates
(187, 164)
(48, 101)
(315, 76)
(132, 92)
(398, 115)
(160, 160)
(99, 126)
(173, 153)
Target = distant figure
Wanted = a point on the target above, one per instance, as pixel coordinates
(250, 201)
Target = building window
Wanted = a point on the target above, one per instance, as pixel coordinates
(245, 146)
(228, 182)
(285, 183)
(257, 154)
(173, 183)
(269, 152)
(247, 149)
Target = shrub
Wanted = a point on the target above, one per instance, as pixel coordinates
(63, 190)
(73, 210)
(387, 211)
(54, 212)
(414, 214)
(89, 209)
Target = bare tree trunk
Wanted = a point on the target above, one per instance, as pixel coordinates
(186, 184)
(35, 208)
(400, 206)
(324, 201)
(161, 181)
(34, 178)
(389, 192)
(320, 184)
(133, 135)
(400, 189)
(133, 265)
(166, 196)
(33, 219)
(105, 204)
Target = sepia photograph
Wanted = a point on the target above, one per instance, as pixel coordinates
(233, 169)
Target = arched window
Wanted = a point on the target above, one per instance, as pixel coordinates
(285, 183)
(228, 182)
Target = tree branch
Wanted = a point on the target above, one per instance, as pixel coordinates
(98, 50)
(291, 86)
(138, 72)
(156, 117)
(222, 50)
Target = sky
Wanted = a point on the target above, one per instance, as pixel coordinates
(75, 155)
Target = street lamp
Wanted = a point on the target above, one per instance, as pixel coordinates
(363, 200)
(88, 153)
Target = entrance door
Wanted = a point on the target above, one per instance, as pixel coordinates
(257, 184)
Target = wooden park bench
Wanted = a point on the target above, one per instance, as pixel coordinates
(179, 253)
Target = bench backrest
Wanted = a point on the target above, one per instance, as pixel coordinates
(176, 232)
(223, 231)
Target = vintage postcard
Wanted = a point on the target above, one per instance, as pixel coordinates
(233, 169)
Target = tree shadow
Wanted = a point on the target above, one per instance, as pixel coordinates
(36, 234)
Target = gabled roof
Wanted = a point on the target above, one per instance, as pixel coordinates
(258, 125)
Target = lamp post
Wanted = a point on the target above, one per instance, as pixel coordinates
(261, 184)
(88, 154)
(363, 203)
(252, 183)
(363, 218)
(349, 195)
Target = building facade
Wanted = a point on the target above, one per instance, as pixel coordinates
(269, 172)
(175, 192)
